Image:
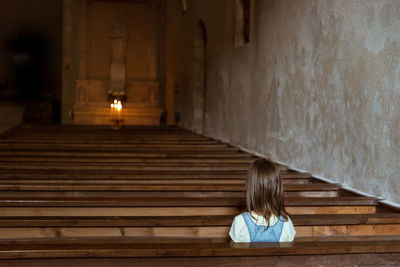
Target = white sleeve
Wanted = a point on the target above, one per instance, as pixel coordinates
(239, 232)
(288, 232)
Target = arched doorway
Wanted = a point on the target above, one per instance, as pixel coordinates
(199, 77)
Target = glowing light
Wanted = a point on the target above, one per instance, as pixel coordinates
(116, 109)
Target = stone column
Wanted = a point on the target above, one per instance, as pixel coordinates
(81, 84)
(172, 31)
(67, 81)
(83, 40)
(153, 39)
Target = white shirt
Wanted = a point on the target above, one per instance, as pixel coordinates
(240, 233)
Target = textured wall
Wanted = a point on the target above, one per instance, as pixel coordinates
(317, 87)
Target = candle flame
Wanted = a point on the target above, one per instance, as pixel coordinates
(116, 109)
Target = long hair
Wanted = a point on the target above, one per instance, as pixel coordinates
(264, 192)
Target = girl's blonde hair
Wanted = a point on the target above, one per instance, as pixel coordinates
(264, 192)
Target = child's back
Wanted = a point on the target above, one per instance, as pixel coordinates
(246, 228)
(266, 219)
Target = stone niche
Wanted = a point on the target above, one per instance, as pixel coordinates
(118, 57)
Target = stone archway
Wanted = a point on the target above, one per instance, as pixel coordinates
(199, 77)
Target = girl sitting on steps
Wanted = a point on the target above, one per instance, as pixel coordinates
(266, 219)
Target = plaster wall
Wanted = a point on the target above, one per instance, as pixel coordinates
(317, 87)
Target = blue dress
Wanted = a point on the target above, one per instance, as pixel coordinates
(259, 234)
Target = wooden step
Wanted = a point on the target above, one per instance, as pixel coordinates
(167, 211)
(82, 146)
(177, 165)
(26, 137)
(179, 206)
(150, 141)
(111, 249)
(187, 240)
(188, 231)
(119, 194)
(128, 153)
(135, 165)
(161, 201)
(148, 187)
(217, 220)
(122, 135)
(121, 167)
(123, 160)
(113, 194)
(26, 174)
(124, 147)
(142, 181)
(104, 186)
(122, 181)
(130, 141)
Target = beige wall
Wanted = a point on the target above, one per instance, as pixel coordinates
(317, 88)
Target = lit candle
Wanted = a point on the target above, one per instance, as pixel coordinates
(119, 109)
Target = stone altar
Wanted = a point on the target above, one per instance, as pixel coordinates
(118, 57)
